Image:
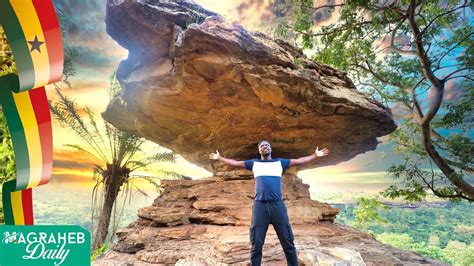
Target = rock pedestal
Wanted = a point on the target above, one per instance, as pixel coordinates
(206, 222)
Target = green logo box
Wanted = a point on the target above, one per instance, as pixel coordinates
(44, 245)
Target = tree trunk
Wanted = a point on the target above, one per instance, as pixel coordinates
(437, 96)
(462, 185)
(112, 189)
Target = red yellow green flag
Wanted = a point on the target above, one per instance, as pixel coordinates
(33, 32)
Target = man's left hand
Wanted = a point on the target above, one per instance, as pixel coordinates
(321, 153)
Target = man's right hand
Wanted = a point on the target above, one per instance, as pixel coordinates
(214, 156)
(232, 162)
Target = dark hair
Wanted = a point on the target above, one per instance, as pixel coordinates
(258, 145)
(263, 140)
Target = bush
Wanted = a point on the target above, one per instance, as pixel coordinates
(401, 241)
(430, 251)
(101, 250)
(460, 253)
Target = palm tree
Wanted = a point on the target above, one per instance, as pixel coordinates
(118, 154)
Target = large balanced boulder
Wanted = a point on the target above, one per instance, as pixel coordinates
(194, 83)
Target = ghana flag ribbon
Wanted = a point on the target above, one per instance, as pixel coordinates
(33, 32)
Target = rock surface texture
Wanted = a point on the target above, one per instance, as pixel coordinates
(194, 83)
(206, 222)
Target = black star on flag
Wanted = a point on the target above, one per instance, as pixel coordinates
(35, 44)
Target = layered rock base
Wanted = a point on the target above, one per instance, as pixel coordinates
(206, 222)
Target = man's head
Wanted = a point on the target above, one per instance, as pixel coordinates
(264, 147)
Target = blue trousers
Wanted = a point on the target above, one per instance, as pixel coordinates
(275, 213)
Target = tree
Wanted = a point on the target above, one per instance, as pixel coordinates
(118, 154)
(406, 54)
(367, 212)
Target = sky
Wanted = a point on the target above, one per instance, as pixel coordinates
(99, 56)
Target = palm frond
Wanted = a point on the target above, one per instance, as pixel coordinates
(164, 157)
(109, 134)
(172, 174)
(114, 86)
(130, 144)
(141, 191)
(135, 165)
(66, 112)
(150, 179)
(95, 130)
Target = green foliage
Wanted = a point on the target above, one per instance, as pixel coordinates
(70, 53)
(459, 111)
(412, 190)
(401, 241)
(196, 17)
(460, 253)
(433, 252)
(7, 159)
(118, 154)
(443, 233)
(7, 63)
(7, 156)
(101, 250)
(2, 216)
(367, 212)
(298, 61)
(375, 44)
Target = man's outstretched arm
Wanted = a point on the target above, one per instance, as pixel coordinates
(232, 162)
(317, 153)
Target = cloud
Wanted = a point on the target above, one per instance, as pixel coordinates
(100, 55)
(365, 172)
(88, 85)
(65, 160)
(248, 13)
(72, 166)
(82, 17)
(99, 59)
(328, 185)
(384, 45)
(257, 15)
(86, 90)
(452, 90)
(71, 177)
(399, 110)
(83, 22)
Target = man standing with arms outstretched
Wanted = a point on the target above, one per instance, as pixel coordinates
(268, 207)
